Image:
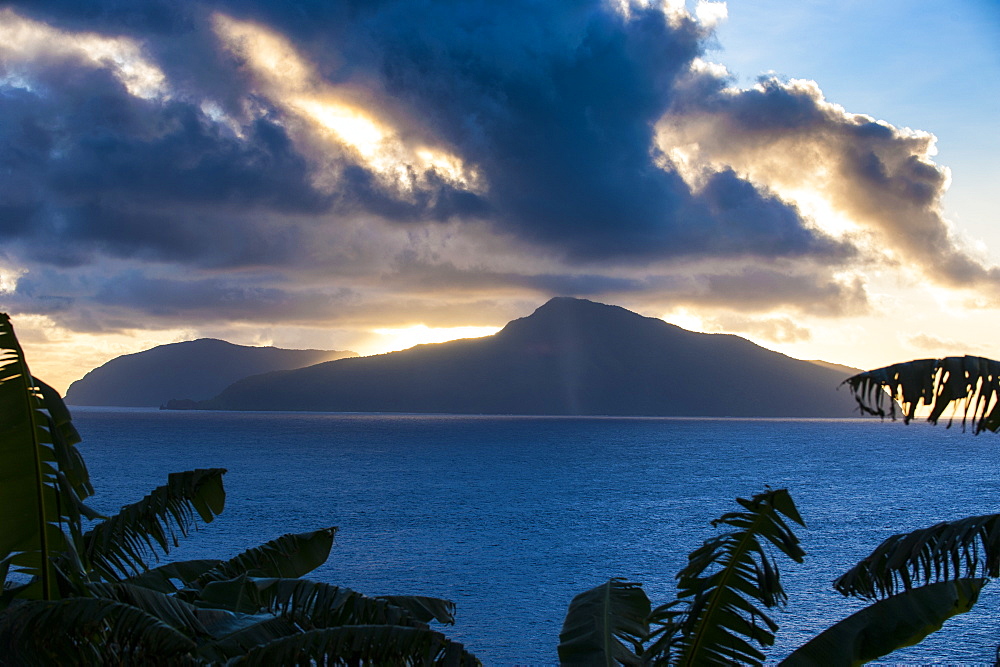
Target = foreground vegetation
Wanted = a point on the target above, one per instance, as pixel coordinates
(82, 588)
(918, 580)
(79, 595)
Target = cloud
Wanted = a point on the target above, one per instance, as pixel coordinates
(761, 289)
(559, 121)
(773, 329)
(868, 183)
(349, 163)
(130, 299)
(96, 171)
(24, 44)
(941, 346)
(546, 133)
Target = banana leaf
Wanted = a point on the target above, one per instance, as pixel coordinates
(64, 438)
(89, 631)
(240, 633)
(887, 625)
(948, 550)
(162, 577)
(970, 385)
(312, 604)
(176, 613)
(42, 478)
(122, 545)
(360, 644)
(727, 579)
(269, 608)
(289, 556)
(423, 608)
(606, 625)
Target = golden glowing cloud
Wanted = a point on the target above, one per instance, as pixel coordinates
(818, 165)
(338, 113)
(8, 277)
(23, 40)
(350, 126)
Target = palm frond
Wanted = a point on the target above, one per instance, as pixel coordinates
(966, 547)
(312, 604)
(176, 613)
(971, 385)
(423, 608)
(728, 577)
(162, 577)
(361, 644)
(239, 633)
(606, 625)
(42, 477)
(301, 605)
(90, 631)
(121, 546)
(879, 629)
(64, 438)
(289, 556)
(666, 632)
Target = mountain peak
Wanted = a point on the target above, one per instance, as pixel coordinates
(570, 319)
(569, 357)
(562, 305)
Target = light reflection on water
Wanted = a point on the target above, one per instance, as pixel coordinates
(512, 516)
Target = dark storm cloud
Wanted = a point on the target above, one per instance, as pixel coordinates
(130, 299)
(775, 231)
(94, 168)
(220, 298)
(417, 275)
(557, 106)
(554, 104)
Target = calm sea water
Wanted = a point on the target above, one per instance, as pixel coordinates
(510, 517)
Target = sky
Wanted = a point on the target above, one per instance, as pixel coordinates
(816, 176)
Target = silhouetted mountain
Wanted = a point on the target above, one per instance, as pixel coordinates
(570, 357)
(196, 369)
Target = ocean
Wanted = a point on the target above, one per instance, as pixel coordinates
(510, 517)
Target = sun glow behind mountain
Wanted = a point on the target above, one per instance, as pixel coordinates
(391, 339)
(380, 175)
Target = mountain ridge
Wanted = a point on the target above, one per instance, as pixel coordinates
(569, 357)
(194, 370)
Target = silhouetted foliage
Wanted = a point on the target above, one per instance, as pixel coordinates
(72, 596)
(967, 384)
(918, 579)
(719, 617)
